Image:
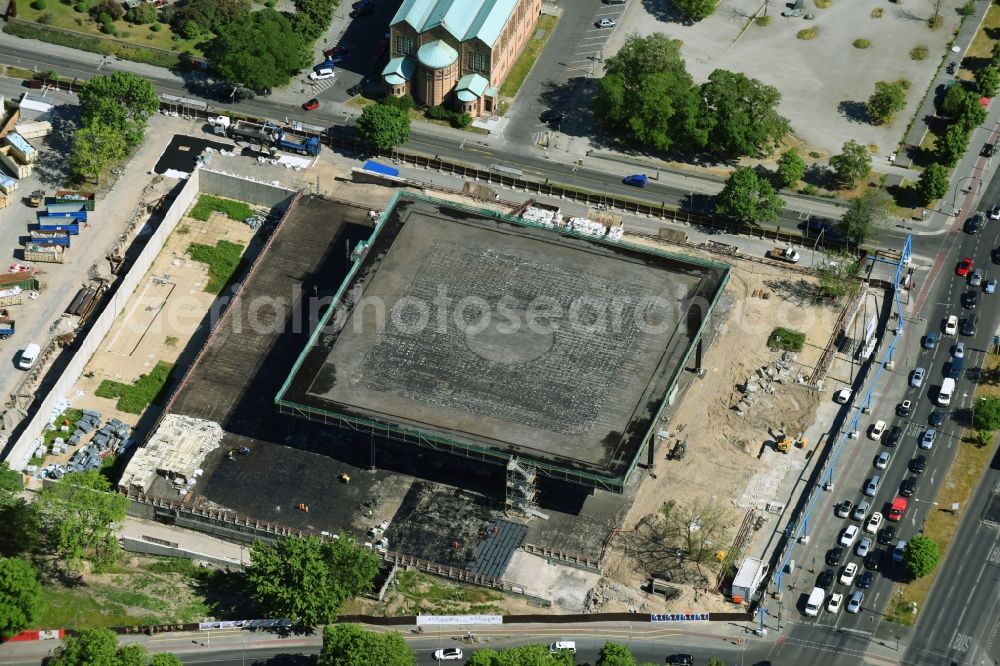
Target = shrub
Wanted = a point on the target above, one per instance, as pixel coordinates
(810, 189)
(104, 17)
(135, 397)
(763, 21)
(808, 33)
(823, 4)
(861, 43)
(986, 413)
(968, 9)
(45, 18)
(405, 102)
(878, 12)
(109, 7)
(918, 53)
(207, 204)
(40, 4)
(156, 27)
(80, 7)
(934, 22)
(141, 14)
(786, 339)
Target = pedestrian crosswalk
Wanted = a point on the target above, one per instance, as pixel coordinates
(320, 86)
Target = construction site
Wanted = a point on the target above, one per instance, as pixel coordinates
(534, 459)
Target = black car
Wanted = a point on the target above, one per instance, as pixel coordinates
(974, 223)
(995, 255)
(680, 660)
(866, 580)
(552, 116)
(970, 299)
(825, 579)
(936, 418)
(909, 487)
(903, 408)
(833, 556)
(364, 10)
(873, 560)
(887, 535)
(892, 436)
(355, 90)
(918, 464)
(969, 324)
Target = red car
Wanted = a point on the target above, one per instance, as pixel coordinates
(964, 267)
(313, 104)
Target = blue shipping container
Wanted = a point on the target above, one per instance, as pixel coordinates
(80, 215)
(69, 225)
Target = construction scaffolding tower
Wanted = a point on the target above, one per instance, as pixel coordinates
(521, 491)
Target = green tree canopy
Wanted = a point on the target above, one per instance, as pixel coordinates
(838, 274)
(971, 113)
(123, 102)
(791, 168)
(307, 580)
(350, 645)
(948, 149)
(933, 183)
(853, 164)
(615, 654)
(954, 99)
(888, 99)
(920, 556)
(208, 14)
(742, 114)
(987, 81)
(748, 198)
(11, 483)
(525, 655)
(695, 10)
(384, 125)
(648, 97)
(166, 659)
(80, 514)
(20, 595)
(312, 17)
(995, 54)
(866, 215)
(96, 146)
(260, 50)
(986, 413)
(92, 647)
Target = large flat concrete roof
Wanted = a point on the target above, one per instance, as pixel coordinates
(499, 338)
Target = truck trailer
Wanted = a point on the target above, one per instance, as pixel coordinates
(52, 254)
(59, 211)
(307, 145)
(67, 224)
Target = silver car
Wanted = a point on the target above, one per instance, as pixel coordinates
(927, 440)
(976, 278)
(854, 605)
(990, 286)
(917, 378)
(864, 546)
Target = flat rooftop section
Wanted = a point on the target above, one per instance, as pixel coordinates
(493, 335)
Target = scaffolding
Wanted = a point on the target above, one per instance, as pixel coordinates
(521, 491)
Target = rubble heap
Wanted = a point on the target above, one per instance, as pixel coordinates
(764, 381)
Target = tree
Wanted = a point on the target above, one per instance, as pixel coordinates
(933, 183)
(122, 102)
(80, 515)
(384, 126)
(866, 215)
(714, 661)
(615, 654)
(350, 645)
(312, 17)
(748, 198)
(838, 274)
(95, 147)
(791, 168)
(208, 14)
(853, 163)
(920, 556)
(954, 98)
(971, 113)
(695, 10)
(20, 595)
(949, 148)
(648, 97)
(986, 413)
(11, 483)
(742, 114)
(308, 580)
(260, 50)
(88, 648)
(166, 659)
(524, 655)
(141, 14)
(888, 99)
(995, 54)
(987, 81)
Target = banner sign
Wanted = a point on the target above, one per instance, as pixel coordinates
(454, 620)
(679, 617)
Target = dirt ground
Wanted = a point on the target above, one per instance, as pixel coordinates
(722, 467)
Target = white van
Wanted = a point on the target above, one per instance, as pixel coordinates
(815, 601)
(563, 646)
(29, 356)
(947, 390)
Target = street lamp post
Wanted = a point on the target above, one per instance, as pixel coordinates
(462, 146)
(958, 185)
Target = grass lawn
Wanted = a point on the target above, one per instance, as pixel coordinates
(223, 259)
(519, 72)
(66, 17)
(424, 593)
(134, 398)
(965, 473)
(982, 44)
(207, 204)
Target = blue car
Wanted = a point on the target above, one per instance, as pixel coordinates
(931, 340)
(637, 180)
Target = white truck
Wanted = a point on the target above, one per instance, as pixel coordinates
(781, 253)
(815, 601)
